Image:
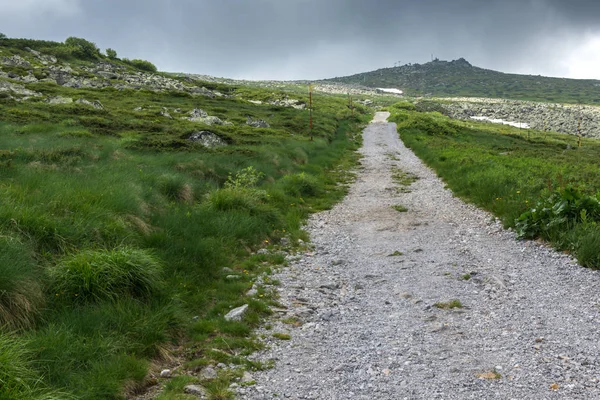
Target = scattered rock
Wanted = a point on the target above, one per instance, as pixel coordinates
(166, 373)
(165, 113)
(211, 120)
(15, 61)
(247, 377)
(207, 139)
(197, 113)
(59, 100)
(96, 104)
(195, 390)
(237, 313)
(208, 373)
(257, 123)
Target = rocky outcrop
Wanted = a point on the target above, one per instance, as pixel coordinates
(15, 61)
(539, 116)
(15, 88)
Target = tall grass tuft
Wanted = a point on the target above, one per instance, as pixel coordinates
(18, 380)
(20, 291)
(96, 275)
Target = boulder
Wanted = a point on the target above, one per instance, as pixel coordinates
(257, 123)
(96, 104)
(207, 139)
(59, 100)
(237, 313)
(195, 390)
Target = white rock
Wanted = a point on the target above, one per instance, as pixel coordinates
(237, 313)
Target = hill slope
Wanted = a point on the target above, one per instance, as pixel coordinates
(138, 208)
(460, 78)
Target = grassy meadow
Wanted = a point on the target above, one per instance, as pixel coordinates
(542, 184)
(115, 230)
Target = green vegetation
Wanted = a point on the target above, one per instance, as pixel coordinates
(282, 336)
(115, 228)
(396, 254)
(403, 179)
(111, 54)
(449, 305)
(82, 48)
(459, 78)
(540, 183)
(400, 208)
(75, 50)
(142, 65)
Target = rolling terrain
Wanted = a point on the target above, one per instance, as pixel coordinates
(460, 78)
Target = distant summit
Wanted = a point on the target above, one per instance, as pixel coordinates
(460, 78)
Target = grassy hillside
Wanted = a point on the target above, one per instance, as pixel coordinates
(542, 184)
(460, 78)
(124, 242)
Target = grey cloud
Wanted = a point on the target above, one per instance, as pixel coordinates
(316, 38)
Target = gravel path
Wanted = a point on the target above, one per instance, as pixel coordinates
(368, 327)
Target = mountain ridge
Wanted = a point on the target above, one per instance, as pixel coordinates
(461, 78)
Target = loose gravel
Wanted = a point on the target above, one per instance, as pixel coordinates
(363, 309)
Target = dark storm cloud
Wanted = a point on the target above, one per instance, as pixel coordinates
(315, 38)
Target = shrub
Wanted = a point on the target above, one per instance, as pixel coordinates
(82, 48)
(2, 36)
(112, 54)
(245, 178)
(557, 213)
(20, 293)
(94, 275)
(141, 65)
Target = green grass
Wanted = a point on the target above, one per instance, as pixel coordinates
(115, 229)
(449, 305)
(396, 254)
(400, 208)
(542, 184)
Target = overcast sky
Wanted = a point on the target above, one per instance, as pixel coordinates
(311, 39)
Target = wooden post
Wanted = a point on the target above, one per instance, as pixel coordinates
(311, 110)
(579, 132)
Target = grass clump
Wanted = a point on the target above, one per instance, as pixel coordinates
(20, 291)
(400, 208)
(97, 275)
(449, 305)
(396, 254)
(282, 336)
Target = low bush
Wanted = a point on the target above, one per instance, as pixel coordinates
(95, 275)
(82, 48)
(141, 65)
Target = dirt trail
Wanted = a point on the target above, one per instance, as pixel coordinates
(529, 328)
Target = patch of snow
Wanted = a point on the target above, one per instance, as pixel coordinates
(392, 91)
(521, 125)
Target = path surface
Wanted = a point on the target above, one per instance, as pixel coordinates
(370, 329)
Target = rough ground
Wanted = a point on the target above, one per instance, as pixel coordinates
(370, 330)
